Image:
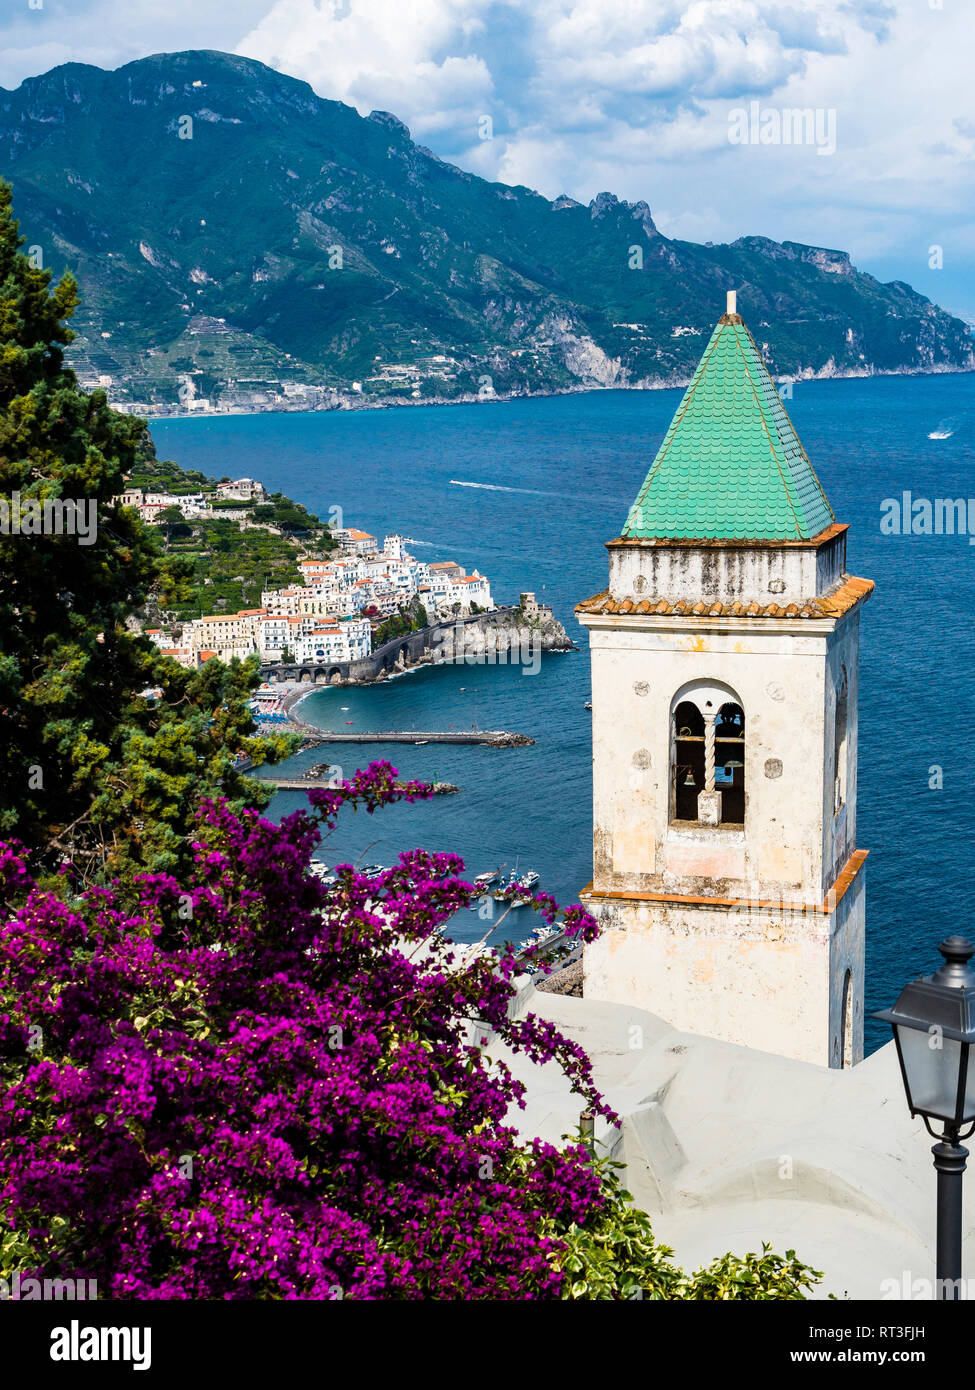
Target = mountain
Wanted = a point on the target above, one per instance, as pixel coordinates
(239, 239)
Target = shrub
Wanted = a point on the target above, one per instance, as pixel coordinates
(254, 1085)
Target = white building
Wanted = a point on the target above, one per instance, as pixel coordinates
(452, 590)
(314, 571)
(364, 580)
(185, 656)
(726, 871)
(475, 589)
(282, 602)
(243, 490)
(172, 499)
(394, 547)
(359, 542)
(346, 639)
(272, 636)
(236, 633)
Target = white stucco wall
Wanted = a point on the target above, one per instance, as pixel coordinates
(755, 976)
(765, 976)
(726, 572)
(839, 827)
(778, 670)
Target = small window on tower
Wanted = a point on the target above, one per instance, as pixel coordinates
(688, 759)
(729, 763)
(840, 722)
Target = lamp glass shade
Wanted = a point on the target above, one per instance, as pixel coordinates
(931, 1067)
(934, 1024)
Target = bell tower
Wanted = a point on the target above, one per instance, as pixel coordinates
(726, 873)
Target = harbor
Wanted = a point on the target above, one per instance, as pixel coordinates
(480, 703)
(552, 956)
(277, 711)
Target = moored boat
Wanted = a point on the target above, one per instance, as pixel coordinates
(510, 881)
(540, 934)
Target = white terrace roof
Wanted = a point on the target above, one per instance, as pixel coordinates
(727, 1147)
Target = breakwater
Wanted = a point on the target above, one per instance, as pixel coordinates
(492, 738)
(304, 784)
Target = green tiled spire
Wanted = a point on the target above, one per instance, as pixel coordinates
(731, 466)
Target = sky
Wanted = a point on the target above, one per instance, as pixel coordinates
(676, 102)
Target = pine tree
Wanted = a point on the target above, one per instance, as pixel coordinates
(90, 767)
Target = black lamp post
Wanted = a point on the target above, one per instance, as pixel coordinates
(934, 1028)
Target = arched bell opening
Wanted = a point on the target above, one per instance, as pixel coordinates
(708, 756)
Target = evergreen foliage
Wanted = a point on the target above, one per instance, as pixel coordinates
(90, 767)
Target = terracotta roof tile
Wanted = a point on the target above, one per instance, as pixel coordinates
(832, 605)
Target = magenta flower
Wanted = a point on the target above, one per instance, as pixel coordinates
(250, 1085)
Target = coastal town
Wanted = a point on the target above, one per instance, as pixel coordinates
(335, 613)
(378, 929)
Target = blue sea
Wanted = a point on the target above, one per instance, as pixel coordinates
(527, 492)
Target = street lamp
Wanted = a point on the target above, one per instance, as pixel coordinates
(934, 1028)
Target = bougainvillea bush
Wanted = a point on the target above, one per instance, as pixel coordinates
(254, 1085)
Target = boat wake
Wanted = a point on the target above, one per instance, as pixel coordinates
(498, 487)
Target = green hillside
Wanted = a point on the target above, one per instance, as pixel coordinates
(291, 243)
(212, 564)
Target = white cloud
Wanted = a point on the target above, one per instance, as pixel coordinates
(108, 33)
(705, 48)
(404, 56)
(627, 95)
